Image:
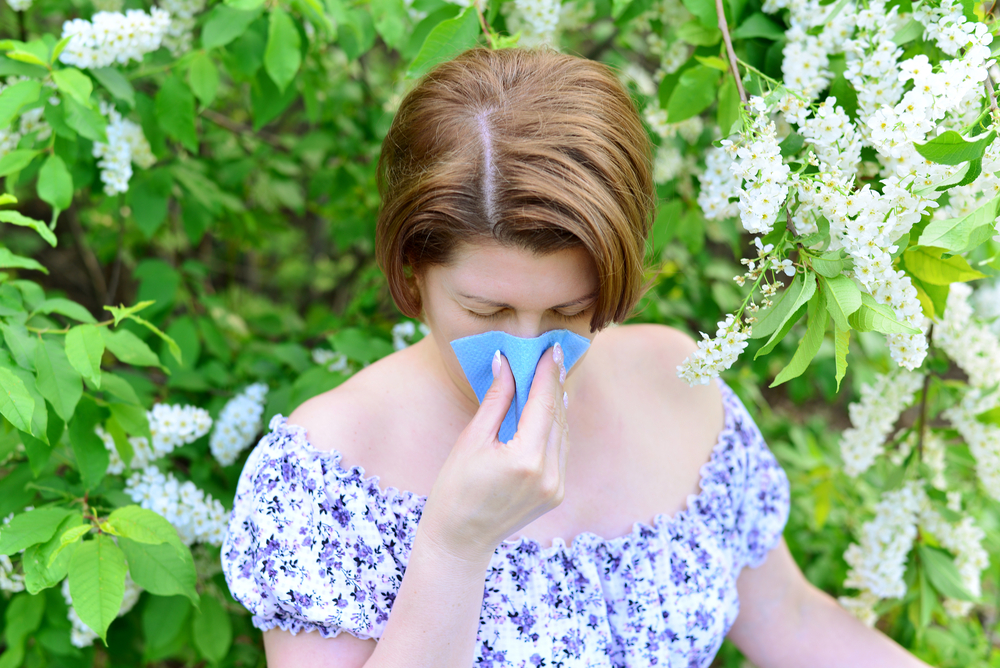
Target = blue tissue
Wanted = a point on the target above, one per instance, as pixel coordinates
(475, 354)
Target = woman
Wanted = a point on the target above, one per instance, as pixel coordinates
(516, 197)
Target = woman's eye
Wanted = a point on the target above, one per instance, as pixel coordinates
(498, 314)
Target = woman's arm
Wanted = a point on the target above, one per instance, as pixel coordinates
(786, 622)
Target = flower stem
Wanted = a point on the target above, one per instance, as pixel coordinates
(729, 50)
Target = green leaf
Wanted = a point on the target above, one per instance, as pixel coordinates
(92, 457)
(758, 25)
(933, 298)
(20, 344)
(22, 619)
(16, 404)
(9, 260)
(120, 313)
(728, 112)
(389, 17)
(696, 34)
(445, 41)
(950, 148)
(842, 298)
(618, 7)
(876, 317)
(161, 569)
(175, 111)
(131, 418)
(714, 62)
(991, 416)
(84, 348)
(30, 528)
(943, 574)
(15, 218)
(16, 160)
(116, 84)
(163, 621)
(55, 185)
(912, 30)
(16, 96)
(694, 93)
(224, 24)
(129, 348)
(144, 526)
(97, 583)
(842, 341)
(829, 264)
(282, 57)
(927, 264)
(203, 78)
(88, 122)
(171, 344)
(960, 235)
(74, 83)
(927, 600)
(58, 381)
(810, 343)
(68, 539)
(704, 10)
(212, 630)
(788, 302)
(65, 307)
(26, 57)
(39, 574)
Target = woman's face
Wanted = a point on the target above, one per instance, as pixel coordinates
(493, 287)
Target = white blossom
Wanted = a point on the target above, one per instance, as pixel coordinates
(197, 516)
(973, 346)
(178, 37)
(983, 439)
(171, 425)
(126, 144)
(238, 423)
(113, 37)
(715, 355)
(873, 417)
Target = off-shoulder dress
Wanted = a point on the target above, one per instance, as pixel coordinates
(314, 546)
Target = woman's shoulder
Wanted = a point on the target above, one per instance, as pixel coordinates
(650, 354)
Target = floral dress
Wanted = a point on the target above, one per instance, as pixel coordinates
(314, 546)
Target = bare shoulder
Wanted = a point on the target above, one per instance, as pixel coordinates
(345, 417)
(652, 353)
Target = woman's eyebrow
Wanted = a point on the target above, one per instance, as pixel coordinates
(490, 302)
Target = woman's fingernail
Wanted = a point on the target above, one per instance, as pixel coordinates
(562, 374)
(496, 364)
(566, 400)
(557, 354)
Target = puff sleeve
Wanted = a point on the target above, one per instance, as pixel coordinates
(760, 494)
(309, 546)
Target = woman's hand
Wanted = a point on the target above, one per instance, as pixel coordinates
(486, 489)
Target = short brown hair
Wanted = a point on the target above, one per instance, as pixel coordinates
(526, 147)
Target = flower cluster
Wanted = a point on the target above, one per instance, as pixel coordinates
(973, 346)
(20, 5)
(196, 515)
(126, 144)
(113, 37)
(80, 634)
(238, 423)
(758, 163)
(402, 332)
(171, 425)
(715, 355)
(983, 439)
(806, 62)
(333, 361)
(718, 186)
(178, 37)
(873, 417)
(536, 20)
(878, 561)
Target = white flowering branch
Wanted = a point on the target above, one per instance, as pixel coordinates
(729, 50)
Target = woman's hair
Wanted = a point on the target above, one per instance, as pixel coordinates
(529, 148)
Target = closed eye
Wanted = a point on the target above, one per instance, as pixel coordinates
(496, 315)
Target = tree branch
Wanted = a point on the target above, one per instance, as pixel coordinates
(729, 50)
(992, 96)
(90, 262)
(482, 22)
(238, 128)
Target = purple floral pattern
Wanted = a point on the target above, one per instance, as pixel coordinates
(314, 546)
